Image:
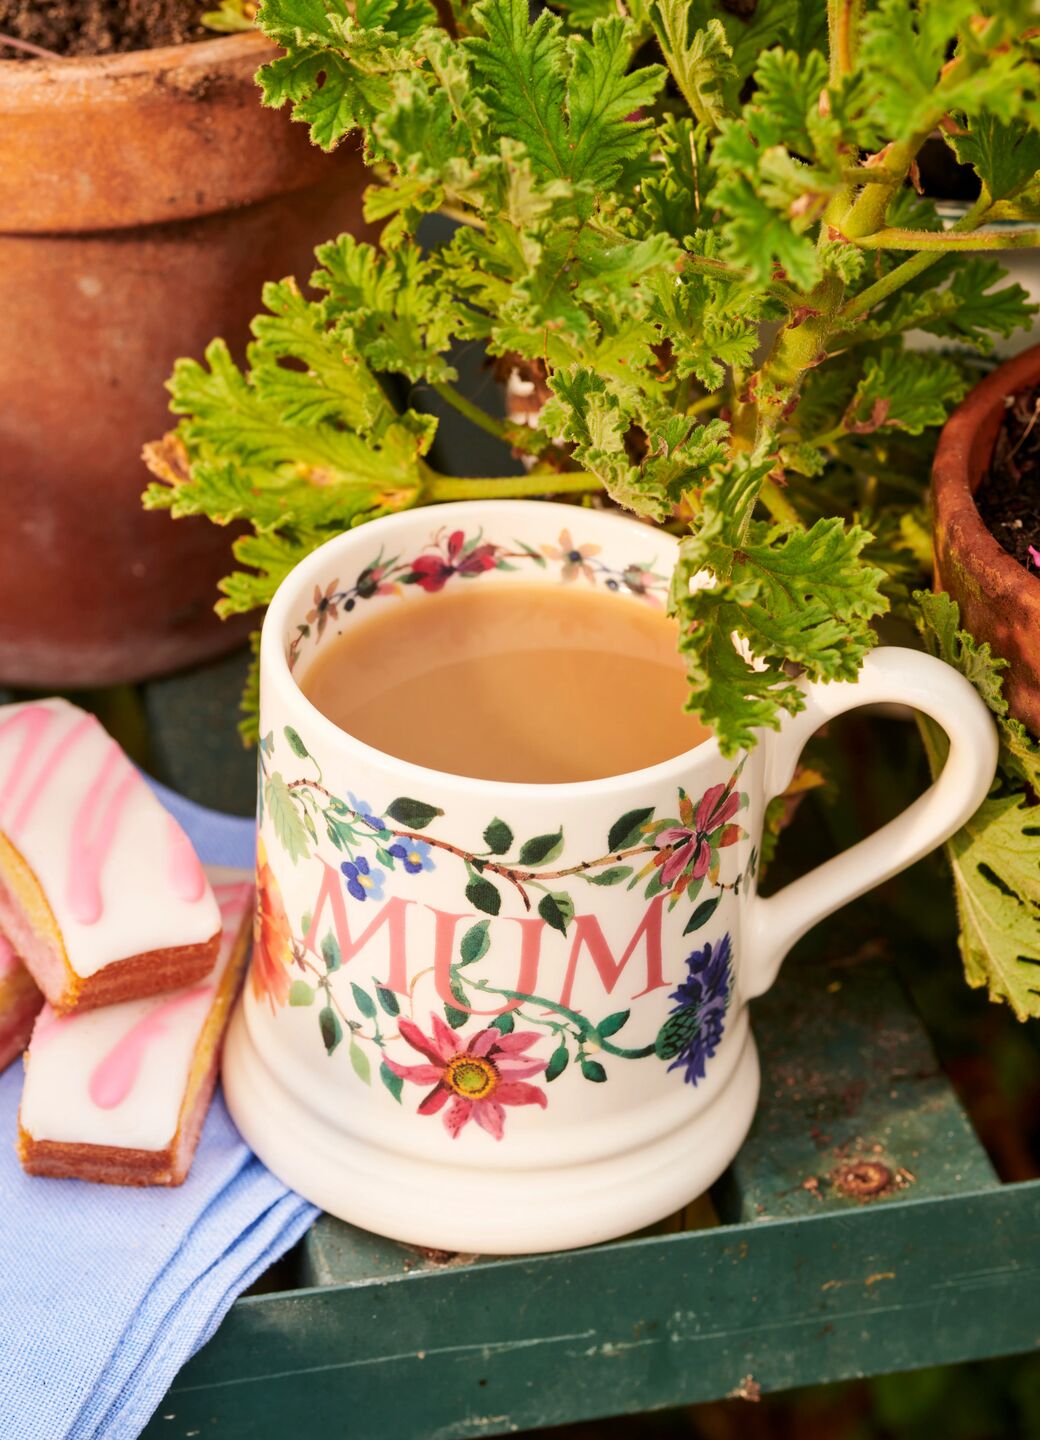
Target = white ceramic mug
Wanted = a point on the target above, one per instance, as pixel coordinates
(504, 1017)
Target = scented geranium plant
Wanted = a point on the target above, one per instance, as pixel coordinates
(698, 228)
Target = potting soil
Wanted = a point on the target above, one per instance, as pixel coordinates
(1008, 498)
(99, 27)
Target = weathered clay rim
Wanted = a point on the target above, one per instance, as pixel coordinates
(962, 459)
(31, 80)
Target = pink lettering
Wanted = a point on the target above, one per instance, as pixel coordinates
(589, 934)
(391, 914)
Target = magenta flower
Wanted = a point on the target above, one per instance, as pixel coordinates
(688, 851)
(432, 572)
(474, 1077)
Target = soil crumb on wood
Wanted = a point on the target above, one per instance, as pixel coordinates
(1009, 497)
(98, 27)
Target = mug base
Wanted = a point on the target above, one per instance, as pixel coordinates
(482, 1211)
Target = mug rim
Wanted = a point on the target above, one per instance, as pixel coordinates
(274, 662)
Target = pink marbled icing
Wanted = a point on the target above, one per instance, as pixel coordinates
(186, 873)
(113, 1077)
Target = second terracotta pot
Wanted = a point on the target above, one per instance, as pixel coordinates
(999, 599)
(144, 200)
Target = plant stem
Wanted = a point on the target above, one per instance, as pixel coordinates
(521, 437)
(778, 505)
(874, 294)
(896, 239)
(509, 487)
(843, 22)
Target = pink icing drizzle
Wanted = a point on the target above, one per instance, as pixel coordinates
(43, 775)
(186, 873)
(9, 961)
(92, 839)
(33, 721)
(113, 1077)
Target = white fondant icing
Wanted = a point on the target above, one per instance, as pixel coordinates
(96, 838)
(67, 1052)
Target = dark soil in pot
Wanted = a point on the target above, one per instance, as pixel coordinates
(98, 27)
(1008, 499)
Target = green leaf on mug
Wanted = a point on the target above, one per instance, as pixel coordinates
(288, 824)
(557, 910)
(363, 1001)
(331, 1029)
(676, 1032)
(498, 837)
(593, 1070)
(475, 943)
(393, 1082)
(613, 1023)
(295, 743)
(628, 830)
(359, 1060)
(416, 814)
(557, 1061)
(387, 999)
(503, 1023)
(300, 993)
(613, 875)
(541, 848)
(703, 913)
(331, 953)
(483, 896)
(457, 1017)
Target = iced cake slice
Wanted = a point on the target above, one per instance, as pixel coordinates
(101, 893)
(119, 1095)
(20, 1002)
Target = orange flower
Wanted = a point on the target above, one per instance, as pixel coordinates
(272, 937)
(574, 557)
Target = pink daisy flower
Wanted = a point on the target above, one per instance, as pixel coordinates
(474, 1077)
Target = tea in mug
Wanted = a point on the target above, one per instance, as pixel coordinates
(514, 682)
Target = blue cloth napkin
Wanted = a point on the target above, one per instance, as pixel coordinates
(105, 1292)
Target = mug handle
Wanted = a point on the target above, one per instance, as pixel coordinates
(907, 677)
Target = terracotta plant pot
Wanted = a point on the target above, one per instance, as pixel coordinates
(144, 200)
(999, 599)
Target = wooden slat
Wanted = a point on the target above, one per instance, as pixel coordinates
(854, 1108)
(509, 1344)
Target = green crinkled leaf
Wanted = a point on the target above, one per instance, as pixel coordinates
(286, 818)
(568, 103)
(792, 596)
(699, 58)
(905, 391)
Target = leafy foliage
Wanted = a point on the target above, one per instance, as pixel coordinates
(995, 858)
(698, 222)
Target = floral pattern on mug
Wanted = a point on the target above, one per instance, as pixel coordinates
(668, 856)
(450, 555)
(475, 1077)
(693, 1031)
(272, 936)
